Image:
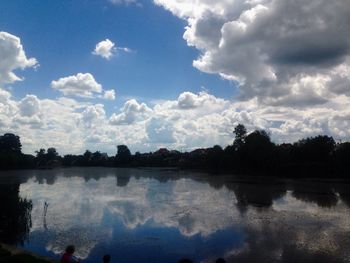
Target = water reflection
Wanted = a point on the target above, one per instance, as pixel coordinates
(322, 194)
(15, 219)
(162, 215)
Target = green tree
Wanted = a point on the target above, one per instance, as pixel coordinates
(314, 149)
(87, 157)
(41, 153)
(51, 154)
(123, 151)
(123, 155)
(10, 143)
(240, 135)
(257, 151)
(215, 157)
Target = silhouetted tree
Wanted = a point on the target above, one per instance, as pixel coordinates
(87, 156)
(341, 157)
(215, 157)
(10, 143)
(123, 155)
(257, 151)
(240, 134)
(10, 151)
(123, 150)
(51, 154)
(41, 153)
(314, 149)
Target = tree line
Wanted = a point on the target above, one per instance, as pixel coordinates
(250, 152)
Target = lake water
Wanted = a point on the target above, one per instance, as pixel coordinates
(160, 215)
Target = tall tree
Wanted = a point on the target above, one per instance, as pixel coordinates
(257, 150)
(123, 154)
(51, 154)
(240, 135)
(123, 151)
(10, 143)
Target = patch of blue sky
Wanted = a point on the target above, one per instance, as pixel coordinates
(61, 35)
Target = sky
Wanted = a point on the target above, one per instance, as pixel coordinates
(93, 74)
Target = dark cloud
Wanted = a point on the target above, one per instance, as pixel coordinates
(271, 47)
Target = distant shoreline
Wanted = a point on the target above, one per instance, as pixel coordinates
(252, 153)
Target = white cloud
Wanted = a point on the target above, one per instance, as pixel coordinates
(72, 126)
(131, 112)
(12, 57)
(160, 130)
(189, 100)
(82, 85)
(4, 96)
(109, 94)
(93, 115)
(29, 106)
(287, 53)
(105, 49)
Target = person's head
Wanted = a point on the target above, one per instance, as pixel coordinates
(185, 260)
(106, 258)
(220, 260)
(70, 249)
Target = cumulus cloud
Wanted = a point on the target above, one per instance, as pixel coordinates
(29, 112)
(160, 130)
(131, 111)
(4, 96)
(109, 94)
(189, 100)
(288, 53)
(107, 49)
(203, 121)
(93, 114)
(12, 57)
(82, 85)
(29, 106)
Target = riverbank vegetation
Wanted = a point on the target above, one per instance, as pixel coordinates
(249, 152)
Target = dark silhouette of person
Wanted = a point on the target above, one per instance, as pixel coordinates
(220, 260)
(106, 258)
(68, 257)
(185, 260)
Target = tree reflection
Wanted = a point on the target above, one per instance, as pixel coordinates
(280, 244)
(15, 218)
(320, 193)
(257, 195)
(122, 180)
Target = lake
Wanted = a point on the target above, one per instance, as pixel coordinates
(162, 215)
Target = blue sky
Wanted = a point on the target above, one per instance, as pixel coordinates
(62, 34)
(81, 74)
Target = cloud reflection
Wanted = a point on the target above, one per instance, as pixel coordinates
(275, 218)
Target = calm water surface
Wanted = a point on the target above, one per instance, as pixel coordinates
(159, 215)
